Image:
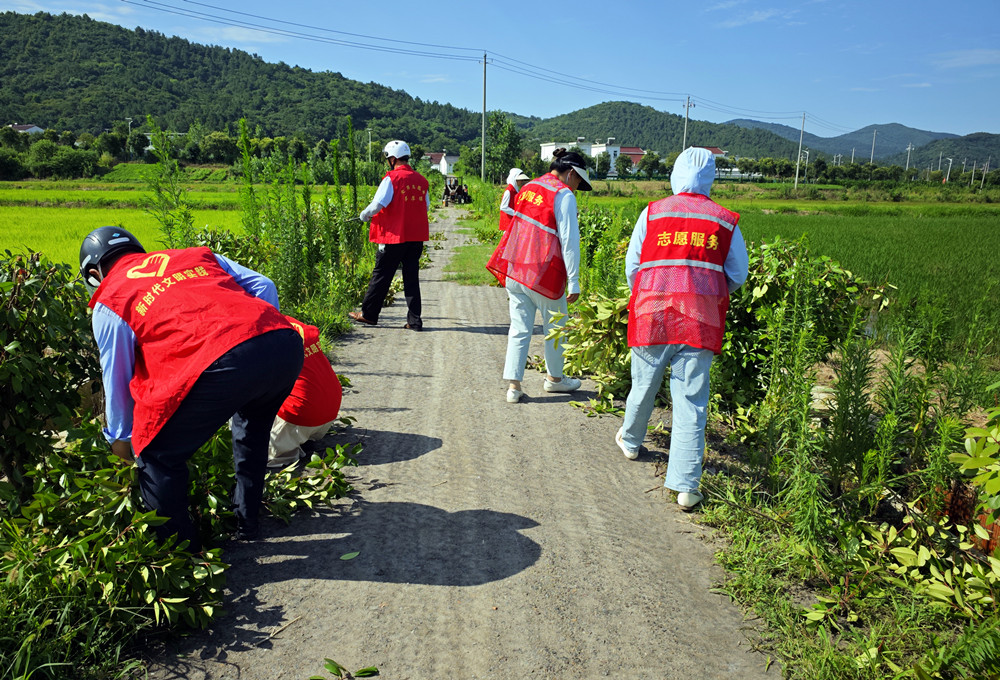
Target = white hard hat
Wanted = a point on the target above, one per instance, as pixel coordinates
(396, 149)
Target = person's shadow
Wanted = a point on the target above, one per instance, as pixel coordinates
(398, 542)
(394, 542)
(378, 446)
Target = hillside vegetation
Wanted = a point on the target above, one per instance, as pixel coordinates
(637, 125)
(73, 73)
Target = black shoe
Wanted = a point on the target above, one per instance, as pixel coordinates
(413, 328)
(247, 533)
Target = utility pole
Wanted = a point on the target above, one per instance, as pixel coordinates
(872, 161)
(852, 156)
(949, 172)
(687, 107)
(971, 181)
(940, 154)
(986, 168)
(798, 158)
(909, 148)
(482, 165)
(370, 146)
(963, 165)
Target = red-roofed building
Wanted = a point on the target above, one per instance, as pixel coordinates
(716, 151)
(633, 152)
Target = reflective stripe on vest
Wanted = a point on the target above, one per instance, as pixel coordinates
(531, 252)
(680, 294)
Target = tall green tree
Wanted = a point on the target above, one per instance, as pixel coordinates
(623, 166)
(503, 146)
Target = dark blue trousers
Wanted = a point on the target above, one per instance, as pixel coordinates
(387, 261)
(248, 384)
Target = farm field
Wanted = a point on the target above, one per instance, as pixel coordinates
(58, 232)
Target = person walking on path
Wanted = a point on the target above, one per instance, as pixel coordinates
(399, 225)
(515, 180)
(538, 262)
(685, 257)
(188, 339)
(312, 407)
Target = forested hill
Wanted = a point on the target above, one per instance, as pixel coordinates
(977, 148)
(890, 138)
(637, 125)
(73, 73)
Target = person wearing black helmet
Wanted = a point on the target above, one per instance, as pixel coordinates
(538, 262)
(399, 225)
(188, 339)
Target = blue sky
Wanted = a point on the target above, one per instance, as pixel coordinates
(929, 65)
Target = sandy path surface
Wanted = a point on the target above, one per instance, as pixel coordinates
(495, 540)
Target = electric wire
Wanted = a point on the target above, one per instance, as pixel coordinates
(498, 60)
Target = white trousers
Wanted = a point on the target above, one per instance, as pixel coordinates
(524, 302)
(287, 439)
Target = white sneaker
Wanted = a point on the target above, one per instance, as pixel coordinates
(514, 396)
(631, 455)
(564, 385)
(689, 501)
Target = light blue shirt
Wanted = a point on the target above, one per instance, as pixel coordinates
(569, 238)
(116, 343)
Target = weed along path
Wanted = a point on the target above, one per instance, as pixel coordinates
(494, 540)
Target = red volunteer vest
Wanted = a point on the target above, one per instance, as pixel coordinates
(186, 311)
(529, 251)
(504, 217)
(315, 398)
(405, 218)
(680, 294)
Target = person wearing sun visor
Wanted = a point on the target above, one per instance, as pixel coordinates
(538, 262)
(685, 257)
(188, 339)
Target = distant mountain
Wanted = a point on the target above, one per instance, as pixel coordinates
(633, 124)
(73, 73)
(975, 148)
(890, 139)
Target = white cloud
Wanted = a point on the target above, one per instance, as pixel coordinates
(727, 4)
(229, 35)
(113, 13)
(435, 78)
(865, 89)
(916, 85)
(967, 58)
(752, 18)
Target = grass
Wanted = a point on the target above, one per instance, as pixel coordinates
(58, 232)
(468, 264)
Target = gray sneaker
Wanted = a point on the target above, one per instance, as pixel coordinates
(564, 385)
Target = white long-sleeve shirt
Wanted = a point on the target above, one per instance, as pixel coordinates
(569, 238)
(505, 202)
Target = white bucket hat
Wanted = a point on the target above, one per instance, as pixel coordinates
(516, 174)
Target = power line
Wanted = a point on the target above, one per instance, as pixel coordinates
(499, 61)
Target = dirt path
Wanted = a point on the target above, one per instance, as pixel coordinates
(496, 540)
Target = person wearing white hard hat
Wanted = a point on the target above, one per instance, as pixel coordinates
(538, 262)
(399, 225)
(515, 180)
(685, 257)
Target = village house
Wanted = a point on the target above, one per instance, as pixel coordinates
(442, 161)
(30, 129)
(595, 149)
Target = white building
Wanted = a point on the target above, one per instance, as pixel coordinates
(593, 150)
(442, 161)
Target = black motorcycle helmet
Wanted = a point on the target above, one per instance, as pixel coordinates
(102, 246)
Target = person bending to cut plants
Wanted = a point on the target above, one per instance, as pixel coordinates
(399, 226)
(311, 409)
(188, 339)
(538, 261)
(685, 257)
(515, 180)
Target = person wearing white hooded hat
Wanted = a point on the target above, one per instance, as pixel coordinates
(515, 180)
(685, 257)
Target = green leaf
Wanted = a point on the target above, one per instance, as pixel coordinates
(368, 672)
(334, 667)
(349, 556)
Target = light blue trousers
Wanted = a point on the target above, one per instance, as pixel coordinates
(524, 302)
(689, 370)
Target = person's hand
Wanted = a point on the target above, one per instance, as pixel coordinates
(123, 449)
(572, 297)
